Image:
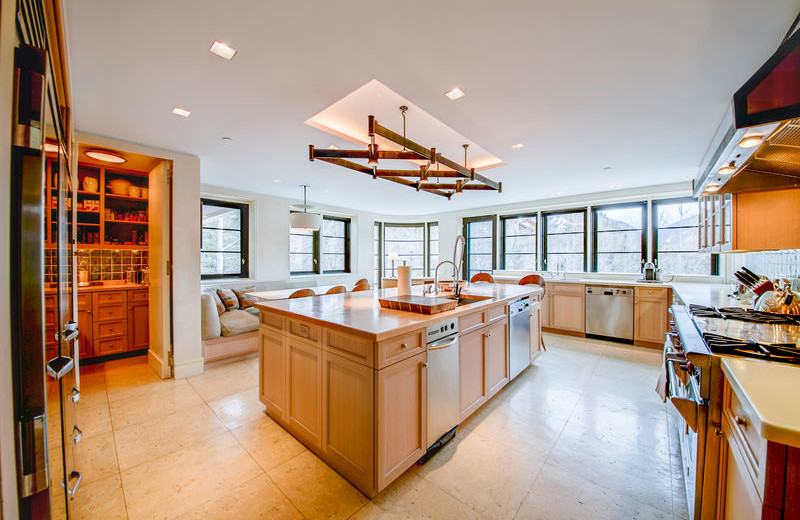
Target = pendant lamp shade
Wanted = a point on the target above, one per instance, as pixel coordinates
(304, 219)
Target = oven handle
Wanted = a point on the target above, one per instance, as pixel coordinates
(688, 408)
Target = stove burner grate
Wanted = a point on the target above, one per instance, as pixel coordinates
(784, 352)
(748, 315)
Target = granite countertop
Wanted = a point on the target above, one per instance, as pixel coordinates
(773, 391)
(98, 288)
(360, 312)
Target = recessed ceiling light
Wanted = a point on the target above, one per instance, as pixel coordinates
(333, 147)
(517, 146)
(454, 93)
(712, 187)
(728, 169)
(178, 111)
(615, 186)
(105, 156)
(606, 168)
(223, 50)
(749, 141)
(556, 193)
(276, 180)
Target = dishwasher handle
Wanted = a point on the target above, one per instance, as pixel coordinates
(443, 343)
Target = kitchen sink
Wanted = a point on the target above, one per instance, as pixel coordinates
(466, 300)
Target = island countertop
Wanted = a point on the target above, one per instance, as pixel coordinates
(360, 313)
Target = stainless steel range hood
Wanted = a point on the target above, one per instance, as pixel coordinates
(767, 106)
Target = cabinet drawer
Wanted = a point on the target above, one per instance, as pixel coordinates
(110, 329)
(398, 348)
(272, 320)
(50, 335)
(141, 295)
(50, 302)
(84, 301)
(740, 417)
(565, 288)
(650, 293)
(110, 346)
(470, 322)
(114, 311)
(305, 330)
(358, 349)
(495, 313)
(109, 297)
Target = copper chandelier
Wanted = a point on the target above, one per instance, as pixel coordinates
(465, 178)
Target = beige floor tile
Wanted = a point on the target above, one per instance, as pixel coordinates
(93, 419)
(102, 499)
(315, 489)
(136, 380)
(226, 380)
(372, 512)
(531, 434)
(525, 398)
(138, 409)
(565, 496)
(93, 388)
(487, 476)
(258, 498)
(238, 409)
(142, 443)
(268, 443)
(414, 496)
(96, 457)
(177, 483)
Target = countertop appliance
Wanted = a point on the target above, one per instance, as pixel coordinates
(519, 335)
(609, 312)
(442, 397)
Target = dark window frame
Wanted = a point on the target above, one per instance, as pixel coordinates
(544, 216)
(502, 237)
(465, 226)
(428, 267)
(379, 226)
(317, 249)
(423, 225)
(595, 231)
(714, 268)
(244, 239)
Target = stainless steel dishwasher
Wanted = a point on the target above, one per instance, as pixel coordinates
(442, 399)
(609, 312)
(519, 340)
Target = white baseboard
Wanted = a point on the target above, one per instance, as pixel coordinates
(189, 368)
(157, 365)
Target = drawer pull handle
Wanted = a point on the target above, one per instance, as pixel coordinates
(488, 334)
(741, 420)
(403, 346)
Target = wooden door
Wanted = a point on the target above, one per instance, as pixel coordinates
(650, 314)
(545, 312)
(567, 307)
(272, 378)
(304, 407)
(401, 416)
(138, 325)
(536, 330)
(159, 263)
(495, 338)
(471, 372)
(348, 392)
(739, 499)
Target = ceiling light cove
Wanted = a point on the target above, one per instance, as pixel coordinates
(178, 111)
(223, 50)
(517, 146)
(455, 93)
(105, 156)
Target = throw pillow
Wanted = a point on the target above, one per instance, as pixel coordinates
(245, 301)
(228, 298)
(220, 306)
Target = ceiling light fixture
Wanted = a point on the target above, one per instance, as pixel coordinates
(712, 187)
(517, 146)
(752, 140)
(223, 50)
(454, 93)
(178, 111)
(728, 169)
(105, 156)
(556, 193)
(465, 177)
(304, 219)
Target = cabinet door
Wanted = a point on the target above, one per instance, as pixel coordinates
(496, 349)
(304, 409)
(348, 418)
(536, 330)
(650, 320)
(402, 410)
(85, 326)
(567, 311)
(471, 373)
(545, 313)
(272, 376)
(739, 498)
(138, 326)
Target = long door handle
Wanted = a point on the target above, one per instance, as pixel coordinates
(73, 483)
(442, 343)
(60, 366)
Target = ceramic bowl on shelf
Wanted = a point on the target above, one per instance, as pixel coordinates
(135, 191)
(90, 184)
(119, 186)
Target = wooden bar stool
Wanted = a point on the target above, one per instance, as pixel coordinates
(337, 289)
(482, 277)
(302, 293)
(535, 279)
(362, 280)
(363, 286)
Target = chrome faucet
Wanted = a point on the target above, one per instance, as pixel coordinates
(458, 259)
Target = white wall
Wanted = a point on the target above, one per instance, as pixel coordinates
(187, 350)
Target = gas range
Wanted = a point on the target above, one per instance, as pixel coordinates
(740, 324)
(748, 315)
(784, 352)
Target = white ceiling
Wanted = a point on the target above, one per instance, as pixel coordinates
(635, 85)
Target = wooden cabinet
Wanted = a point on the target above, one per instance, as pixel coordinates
(401, 416)
(567, 307)
(304, 385)
(483, 367)
(650, 319)
(471, 372)
(138, 320)
(736, 222)
(85, 325)
(536, 330)
(272, 380)
(495, 338)
(109, 322)
(544, 314)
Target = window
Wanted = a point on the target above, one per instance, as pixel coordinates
(376, 254)
(224, 249)
(407, 242)
(519, 242)
(675, 232)
(565, 241)
(479, 232)
(433, 246)
(619, 238)
(323, 251)
(335, 245)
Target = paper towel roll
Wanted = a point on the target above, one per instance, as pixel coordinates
(403, 280)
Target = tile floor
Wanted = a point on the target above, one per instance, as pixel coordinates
(580, 435)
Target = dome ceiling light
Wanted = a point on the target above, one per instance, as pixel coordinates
(465, 178)
(304, 219)
(105, 156)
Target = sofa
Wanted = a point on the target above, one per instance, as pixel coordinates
(231, 331)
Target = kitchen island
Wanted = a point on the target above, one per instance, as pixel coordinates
(348, 378)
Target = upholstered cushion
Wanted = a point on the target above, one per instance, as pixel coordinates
(210, 327)
(251, 310)
(228, 298)
(217, 302)
(237, 322)
(244, 300)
